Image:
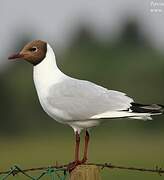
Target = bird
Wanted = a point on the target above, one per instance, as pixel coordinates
(78, 103)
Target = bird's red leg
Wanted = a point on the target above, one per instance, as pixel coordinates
(77, 147)
(85, 156)
(76, 162)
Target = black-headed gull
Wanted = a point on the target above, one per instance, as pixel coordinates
(78, 103)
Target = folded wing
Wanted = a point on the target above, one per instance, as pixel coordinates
(82, 100)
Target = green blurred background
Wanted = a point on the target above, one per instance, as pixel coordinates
(129, 63)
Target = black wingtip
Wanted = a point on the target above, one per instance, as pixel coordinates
(146, 108)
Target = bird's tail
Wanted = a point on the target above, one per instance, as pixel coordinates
(147, 110)
(135, 111)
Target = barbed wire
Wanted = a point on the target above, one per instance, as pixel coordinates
(61, 171)
(52, 172)
(157, 169)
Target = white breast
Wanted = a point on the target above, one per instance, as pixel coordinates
(45, 75)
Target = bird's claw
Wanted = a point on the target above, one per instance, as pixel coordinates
(72, 165)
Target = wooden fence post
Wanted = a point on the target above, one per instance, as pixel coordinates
(86, 172)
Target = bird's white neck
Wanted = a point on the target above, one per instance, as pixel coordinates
(46, 73)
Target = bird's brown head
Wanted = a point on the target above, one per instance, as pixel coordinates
(33, 52)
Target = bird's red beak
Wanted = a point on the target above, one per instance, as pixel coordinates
(16, 56)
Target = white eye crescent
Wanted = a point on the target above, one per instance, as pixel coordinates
(34, 49)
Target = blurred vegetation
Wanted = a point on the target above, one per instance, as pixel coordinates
(130, 64)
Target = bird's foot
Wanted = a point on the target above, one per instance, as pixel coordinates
(84, 160)
(71, 166)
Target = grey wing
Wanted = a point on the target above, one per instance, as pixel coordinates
(82, 99)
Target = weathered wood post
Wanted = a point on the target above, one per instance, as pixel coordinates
(86, 172)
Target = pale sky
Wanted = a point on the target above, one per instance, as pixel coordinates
(56, 21)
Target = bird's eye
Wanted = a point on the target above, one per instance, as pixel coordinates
(33, 49)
